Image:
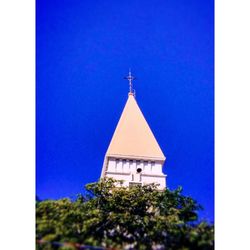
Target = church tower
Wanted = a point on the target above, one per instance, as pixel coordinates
(134, 155)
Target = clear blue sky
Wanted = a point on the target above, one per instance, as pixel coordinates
(84, 49)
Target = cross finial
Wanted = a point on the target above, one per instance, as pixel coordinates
(130, 78)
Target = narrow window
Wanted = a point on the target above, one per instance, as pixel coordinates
(152, 165)
(116, 163)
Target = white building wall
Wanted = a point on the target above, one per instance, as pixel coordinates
(140, 165)
(126, 170)
(156, 168)
(111, 165)
(147, 167)
(126, 166)
(132, 165)
(137, 177)
(119, 165)
(147, 179)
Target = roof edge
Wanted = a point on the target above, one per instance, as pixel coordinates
(161, 159)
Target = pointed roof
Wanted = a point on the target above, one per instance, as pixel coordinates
(133, 137)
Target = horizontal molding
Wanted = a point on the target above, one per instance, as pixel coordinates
(128, 173)
(134, 157)
(118, 173)
(154, 175)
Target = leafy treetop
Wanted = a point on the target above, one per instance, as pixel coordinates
(112, 216)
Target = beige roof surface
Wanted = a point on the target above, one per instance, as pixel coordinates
(133, 137)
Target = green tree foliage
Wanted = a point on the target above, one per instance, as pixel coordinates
(139, 217)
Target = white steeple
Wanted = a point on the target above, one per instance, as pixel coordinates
(134, 155)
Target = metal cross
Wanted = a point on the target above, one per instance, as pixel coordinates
(130, 78)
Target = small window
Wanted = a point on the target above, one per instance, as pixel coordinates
(138, 170)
